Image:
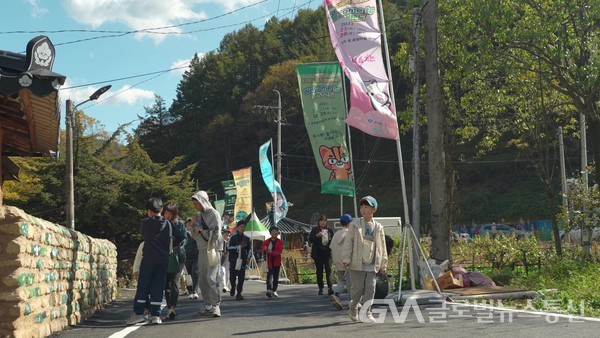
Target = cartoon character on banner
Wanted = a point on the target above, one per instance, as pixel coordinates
(335, 159)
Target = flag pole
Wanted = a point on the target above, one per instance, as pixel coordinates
(274, 188)
(349, 150)
(391, 85)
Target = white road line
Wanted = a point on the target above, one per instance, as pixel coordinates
(552, 314)
(123, 333)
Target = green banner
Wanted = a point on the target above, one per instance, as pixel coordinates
(324, 107)
(230, 195)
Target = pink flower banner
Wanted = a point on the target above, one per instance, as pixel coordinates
(356, 38)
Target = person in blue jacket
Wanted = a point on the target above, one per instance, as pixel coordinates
(153, 270)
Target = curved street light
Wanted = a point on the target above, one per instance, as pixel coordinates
(69, 152)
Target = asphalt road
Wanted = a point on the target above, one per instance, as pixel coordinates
(300, 312)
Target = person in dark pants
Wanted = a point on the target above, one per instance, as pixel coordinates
(191, 260)
(153, 269)
(171, 213)
(238, 248)
(272, 249)
(320, 238)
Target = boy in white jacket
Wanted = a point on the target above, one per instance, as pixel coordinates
(337, 248)
(364, 255)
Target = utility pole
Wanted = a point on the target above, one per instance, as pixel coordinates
(416, 177)
(278, 137)
(416, 136)
(585, 230)
(70, 207)
(278, 107)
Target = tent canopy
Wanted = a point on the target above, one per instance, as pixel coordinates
(255, 229)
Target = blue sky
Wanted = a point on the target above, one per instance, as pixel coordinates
(89, 65)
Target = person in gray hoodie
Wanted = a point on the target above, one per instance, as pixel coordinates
(207, 234)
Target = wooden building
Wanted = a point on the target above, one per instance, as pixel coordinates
(29, 105)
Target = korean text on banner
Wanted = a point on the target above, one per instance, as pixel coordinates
(324, 109)
(356, 39)
(230, 196)
(243, 185)
(273, 186)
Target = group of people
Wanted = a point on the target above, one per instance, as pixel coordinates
(359, 253)
(209, 255)
(212, 258)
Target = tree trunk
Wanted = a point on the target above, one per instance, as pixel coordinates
(594, 136)
(552, 209)
(440, 222)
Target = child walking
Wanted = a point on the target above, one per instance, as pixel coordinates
(272, 249)
(364, 255)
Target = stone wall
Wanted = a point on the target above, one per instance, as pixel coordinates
(50, 277)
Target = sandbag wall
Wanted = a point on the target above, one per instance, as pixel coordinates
(50, 276)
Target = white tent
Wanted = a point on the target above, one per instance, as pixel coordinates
(256, 230)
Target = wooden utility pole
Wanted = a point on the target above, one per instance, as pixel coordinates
(436, 114)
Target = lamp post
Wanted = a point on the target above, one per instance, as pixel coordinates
(69, 151)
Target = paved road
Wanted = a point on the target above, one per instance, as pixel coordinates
(300, 312)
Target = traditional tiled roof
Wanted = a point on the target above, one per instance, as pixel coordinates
(29, 100)
(288, 225)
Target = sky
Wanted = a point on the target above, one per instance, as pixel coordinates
(102, 42)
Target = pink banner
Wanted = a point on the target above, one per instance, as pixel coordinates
(356, 38)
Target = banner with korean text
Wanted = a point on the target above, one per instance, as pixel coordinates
(356, 38)
(324, 109)
(230, 195)
(274, 187)
(243, 186)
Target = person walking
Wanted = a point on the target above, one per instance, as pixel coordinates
(364, 255)
(171, 213)
(337, 248)
(153, 269)
(320, 237)
(271, 249)
(224, 274)
(207, 234)
(191, 260)
(239, 256)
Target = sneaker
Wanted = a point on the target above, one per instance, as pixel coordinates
(216, 311)
(225, 290)
(368, 318)
(336, 302)
(353, 314)
(155, 320)
(239, 297)
(269, 293)
(330, 292)
(191, 296)
(205, 310)
(134, 319)
(171, 314)
(275, 294)
(232, 293)
(196, 296)
(320, 291)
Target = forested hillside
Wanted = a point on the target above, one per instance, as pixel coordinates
(504, 110)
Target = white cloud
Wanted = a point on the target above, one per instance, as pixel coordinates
(124, 95)
(180, 66)
(134, 14)
(36, 9)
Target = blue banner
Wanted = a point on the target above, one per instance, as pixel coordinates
(266, 169)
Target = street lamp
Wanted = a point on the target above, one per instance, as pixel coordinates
(69, 151)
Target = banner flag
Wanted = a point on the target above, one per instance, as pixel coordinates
(267, 173)
(220, 206)
(324, 109)
(230, 194)
(356, 39)
(243, 200)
